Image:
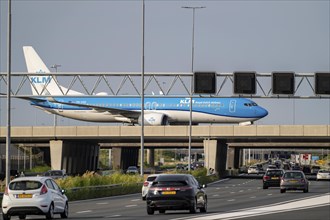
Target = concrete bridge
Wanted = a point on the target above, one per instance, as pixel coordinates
(76, 148)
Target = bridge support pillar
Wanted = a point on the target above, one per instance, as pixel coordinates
(215, 152)
(151, 157)
(74, 157)
(233, 158)
(125, 157)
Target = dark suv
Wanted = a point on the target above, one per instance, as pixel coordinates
(272, 177)
(176, 192)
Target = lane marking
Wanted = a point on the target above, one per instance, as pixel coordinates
(253, 197)
(112, 216)
(86, 211)
(293, 205)
(102, 203)
(135, 200)
(231, 200)
(127, 206)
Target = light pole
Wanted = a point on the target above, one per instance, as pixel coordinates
(55, 66)
(192, 70)
(142, 93)
(8, 136)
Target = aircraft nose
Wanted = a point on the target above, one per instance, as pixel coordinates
(261, 112)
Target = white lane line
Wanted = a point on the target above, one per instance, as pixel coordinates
(241, 191)
(130, 206)
(102, 203)
(318, 201)
(232, 192)
(86, 211)
(269, 194)
(112, 216)
(215, 195)
(135, 200)
(253, 197)
(231, 200)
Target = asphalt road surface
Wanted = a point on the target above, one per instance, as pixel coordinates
(227, 199)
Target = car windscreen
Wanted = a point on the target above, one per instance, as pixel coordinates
(25, 185)
(275, 173)
(293, 175)
(169, 183)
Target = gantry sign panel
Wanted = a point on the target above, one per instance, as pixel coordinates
(283, 83)
(238, 84)
(322, 83)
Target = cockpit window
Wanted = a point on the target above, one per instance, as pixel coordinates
(250, 104)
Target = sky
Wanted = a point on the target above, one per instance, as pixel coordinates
(106, 36)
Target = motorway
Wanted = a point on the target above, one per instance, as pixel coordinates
(227, 199)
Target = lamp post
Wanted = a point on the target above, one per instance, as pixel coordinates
(8, 136)
(142, 93)
(55, 66)
(192, 70)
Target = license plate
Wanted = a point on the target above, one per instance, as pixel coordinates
(24, 196)
(275, 178)
(293, 181)
(169, 193)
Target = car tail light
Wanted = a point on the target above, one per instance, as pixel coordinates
(266, 178)
(6, 191)
(302, 180)
(43, 190)
(146, 183)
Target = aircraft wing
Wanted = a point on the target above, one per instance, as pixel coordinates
(114, 111)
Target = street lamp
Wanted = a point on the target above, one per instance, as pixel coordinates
(55, 66)
(192, 70)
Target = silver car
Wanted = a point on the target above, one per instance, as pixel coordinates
(294, 180)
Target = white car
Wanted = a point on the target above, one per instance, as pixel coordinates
(34, 196)
(132, 170)
(253, 170)
(323, 175)
(147, 184)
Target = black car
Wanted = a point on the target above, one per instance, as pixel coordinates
(176, 192)
(272, 177)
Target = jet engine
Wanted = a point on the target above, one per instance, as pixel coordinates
(154, 119)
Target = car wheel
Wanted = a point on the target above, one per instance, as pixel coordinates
(65, 213)
(204, 208)
(283, 190)
(162, 211)
(5, 217)
(193, 207)
(150, 211)
(305, 190)
(50, 213)
(22, 216)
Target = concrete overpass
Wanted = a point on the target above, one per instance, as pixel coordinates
(75, 148)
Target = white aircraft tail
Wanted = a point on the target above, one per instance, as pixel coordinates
(42, 84)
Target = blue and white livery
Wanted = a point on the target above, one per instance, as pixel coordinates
(158, 110)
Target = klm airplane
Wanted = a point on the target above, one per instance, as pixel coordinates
(158, 110)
